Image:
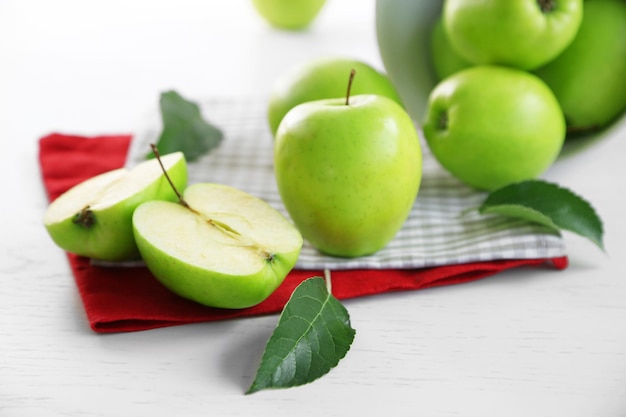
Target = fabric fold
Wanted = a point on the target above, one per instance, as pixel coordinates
(123, 299)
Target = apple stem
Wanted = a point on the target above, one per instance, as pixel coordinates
(222, 227)
(352, 74)
(155, 150)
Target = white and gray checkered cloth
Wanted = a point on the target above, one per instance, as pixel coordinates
(442, 228)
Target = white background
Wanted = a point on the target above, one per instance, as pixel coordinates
(528, 342)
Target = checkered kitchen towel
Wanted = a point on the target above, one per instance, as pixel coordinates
(442, 228)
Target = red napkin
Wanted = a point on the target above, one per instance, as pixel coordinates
(122, 299)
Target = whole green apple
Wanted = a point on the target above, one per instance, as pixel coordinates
(491, 126)
(446, 61)
(219, 246)
(289, 14)
(94, 218)
(321, 79)
(348, 174)
(519, 33)
(589, 77)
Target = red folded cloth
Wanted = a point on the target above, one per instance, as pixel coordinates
(123, 299)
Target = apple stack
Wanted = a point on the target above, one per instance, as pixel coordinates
(516, 78)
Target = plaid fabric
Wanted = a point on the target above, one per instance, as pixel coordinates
(442, 228)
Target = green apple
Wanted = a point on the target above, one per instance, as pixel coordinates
(219, 246)
(348, 174)
(589, 77)
(324, 78)
(491, 126)
(94, 218)
(289, 14)
(519, 33)
(446, 61)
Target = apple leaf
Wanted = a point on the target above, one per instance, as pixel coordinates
(548, 204)
(184, 129)
(313, 334)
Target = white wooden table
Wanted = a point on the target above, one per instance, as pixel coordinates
(532, 342)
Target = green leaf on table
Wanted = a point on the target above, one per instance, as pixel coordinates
(184, 128)
(313, 334)
(548, 204)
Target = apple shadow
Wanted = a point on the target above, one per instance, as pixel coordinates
(578, 143)
(240, 362)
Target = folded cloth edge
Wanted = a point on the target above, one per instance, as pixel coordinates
(114, 300)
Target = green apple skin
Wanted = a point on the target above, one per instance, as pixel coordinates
(491, 126)
(589, 77)
(324, 78)
(348, 174)
(516, 33)
(202, 263)
(446, 61)
(109, 235)
(289, 14)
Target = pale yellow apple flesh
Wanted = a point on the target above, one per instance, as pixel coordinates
(84, 194)
(226, 249)
(94, 218)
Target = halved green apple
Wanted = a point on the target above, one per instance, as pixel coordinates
(220, 247)
(94, 218)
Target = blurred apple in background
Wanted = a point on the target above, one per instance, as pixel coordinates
(289, 14)
(348, 174)
(405, 31)
(520, 33)
(491, 126)
(446, 61)
(324, 78)
(589, 77)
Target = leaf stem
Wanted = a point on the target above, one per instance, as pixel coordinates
(329, 284)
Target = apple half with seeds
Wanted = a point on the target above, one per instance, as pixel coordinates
(219, 246)
(94, 218)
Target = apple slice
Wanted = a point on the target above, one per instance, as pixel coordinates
(94, 218)
(220, 247)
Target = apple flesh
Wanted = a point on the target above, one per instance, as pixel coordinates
(348, 174)
(520, 33)
(224, 248)
(589, 77)
(289, 14)
(322, 79)
(94, 218)
(492, 126)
